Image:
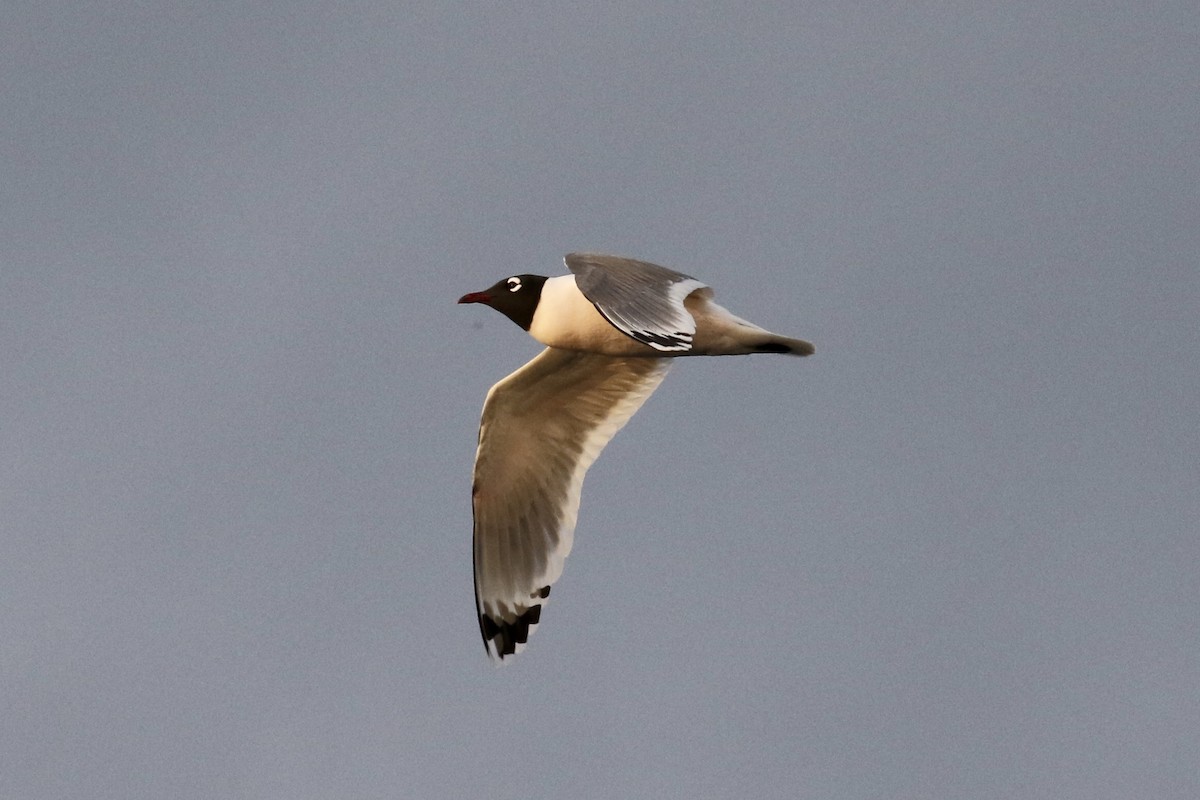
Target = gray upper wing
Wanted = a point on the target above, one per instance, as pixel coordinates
(640, 299)
(542, 428)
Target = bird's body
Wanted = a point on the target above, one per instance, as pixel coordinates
(566, 319)
(611, 329)
(569, 321)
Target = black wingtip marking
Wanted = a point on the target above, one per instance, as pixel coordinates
(679, 340)
(794, 347)
(505, 636)
(663, 341)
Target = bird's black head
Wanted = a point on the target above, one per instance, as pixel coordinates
(516, 297)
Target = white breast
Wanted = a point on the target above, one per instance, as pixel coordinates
(566, 319)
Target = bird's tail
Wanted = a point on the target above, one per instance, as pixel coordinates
(769, 342)
(720, 333)
(737, 337)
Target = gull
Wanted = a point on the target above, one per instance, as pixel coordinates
(611, 329)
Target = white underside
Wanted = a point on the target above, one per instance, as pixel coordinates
(566, 319)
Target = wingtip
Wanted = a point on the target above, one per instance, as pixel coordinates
(503, 638)
(785, 346)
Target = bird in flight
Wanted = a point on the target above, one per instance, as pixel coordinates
(611, 328)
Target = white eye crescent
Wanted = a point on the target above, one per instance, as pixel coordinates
(514, 284)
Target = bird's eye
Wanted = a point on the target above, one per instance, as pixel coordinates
(514, 284)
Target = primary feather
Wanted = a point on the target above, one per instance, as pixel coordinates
(542, 428)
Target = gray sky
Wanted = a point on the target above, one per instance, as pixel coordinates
(952, 555)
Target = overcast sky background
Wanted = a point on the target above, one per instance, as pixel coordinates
(952, 555)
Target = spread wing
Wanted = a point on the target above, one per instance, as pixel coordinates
(640, 299)
(542, 428)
